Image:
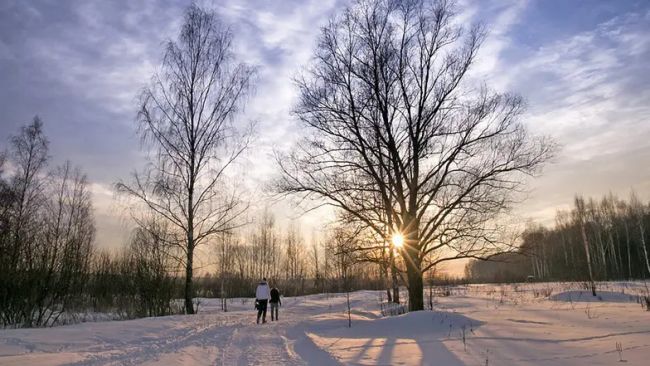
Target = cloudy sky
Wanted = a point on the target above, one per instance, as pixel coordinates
(582, 66)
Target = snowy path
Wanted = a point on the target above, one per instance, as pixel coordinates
(248, 345)
(174, 340)
(514, 330)
(209, 338)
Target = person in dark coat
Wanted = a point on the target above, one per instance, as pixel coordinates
(275, 303)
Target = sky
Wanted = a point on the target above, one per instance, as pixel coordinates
(581, 65)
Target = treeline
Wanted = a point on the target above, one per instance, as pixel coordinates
(612, 232)
(46, 232)
(137, 281)
(50, 269)
(286, 259)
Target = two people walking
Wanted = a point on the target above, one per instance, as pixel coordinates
(263, 296)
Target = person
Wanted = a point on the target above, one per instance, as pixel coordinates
(262, 294)
(275, 303)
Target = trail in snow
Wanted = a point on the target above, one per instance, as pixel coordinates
(211, 337)
(503, 325)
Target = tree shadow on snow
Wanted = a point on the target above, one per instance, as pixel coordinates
(586, 296)
(388, 341)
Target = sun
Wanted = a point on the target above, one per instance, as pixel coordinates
(398, 240)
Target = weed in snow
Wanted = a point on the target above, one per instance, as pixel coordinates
(463, 337)
(590, 314)
(619, 349)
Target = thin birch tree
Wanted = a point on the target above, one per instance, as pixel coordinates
(187, 116)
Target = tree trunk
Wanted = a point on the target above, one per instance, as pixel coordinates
(389, 297)
(393, 274)
(431, 293)
(416, 287)
(629, 258)
(189, 290)
(224, 303)
(383, 273)
(600, 248)
(587, 253)
(347, 298)
(643, 244)
(411, 255)
(564, 248)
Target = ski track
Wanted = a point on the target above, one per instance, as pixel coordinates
(313, 331)
(204, 337)
(209, 338)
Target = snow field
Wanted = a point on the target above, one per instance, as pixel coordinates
(521, 324)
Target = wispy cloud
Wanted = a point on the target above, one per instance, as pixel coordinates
(589, 91)
(81, 64)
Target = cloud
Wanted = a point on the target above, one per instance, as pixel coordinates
(104, 52)
(589, 87)
(498, 18)
(279, 39)
(589, 91)
(586, 86)
(80, 65)
(5, 52)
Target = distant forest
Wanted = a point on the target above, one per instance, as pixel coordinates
(51, 268)
(612, 232)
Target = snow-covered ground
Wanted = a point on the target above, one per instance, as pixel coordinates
(526, 324)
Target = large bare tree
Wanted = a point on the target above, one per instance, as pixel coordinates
(187, 116)
(397, 136)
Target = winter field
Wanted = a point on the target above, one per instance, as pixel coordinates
(524, 324)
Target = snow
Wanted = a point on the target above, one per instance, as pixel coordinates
(586, 296)
(524, 324)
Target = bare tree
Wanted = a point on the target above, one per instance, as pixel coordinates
(388, 115)
(580, 218)
(151, 268)
(342, 243)
(315, 263)
(294, 259)
(187, 115)
(24, 199)
(30, 154)
(64, 251)
(6, 201)
(622, 213)
(226, 246)
(561, 222)
(596, 240)
(46, 234)
(637, 211)
(264, 248)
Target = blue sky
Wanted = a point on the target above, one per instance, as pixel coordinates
(582, 66)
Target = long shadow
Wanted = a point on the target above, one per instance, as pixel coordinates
(386, 354)
(363, 351)
(435, 353)
(425, 330)
(307, 350)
